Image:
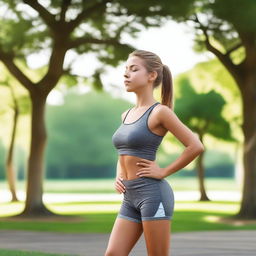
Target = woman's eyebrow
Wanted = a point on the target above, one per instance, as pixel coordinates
(133, 65)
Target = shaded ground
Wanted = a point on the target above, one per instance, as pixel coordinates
(221, 243)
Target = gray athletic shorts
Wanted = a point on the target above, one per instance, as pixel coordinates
(147, 199)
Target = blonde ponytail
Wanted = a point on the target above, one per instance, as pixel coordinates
(167, 87)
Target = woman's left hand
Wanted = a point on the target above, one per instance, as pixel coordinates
(149, 169)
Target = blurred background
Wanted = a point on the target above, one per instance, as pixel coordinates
(62, 95)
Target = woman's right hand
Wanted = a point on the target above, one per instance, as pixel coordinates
(119, 186)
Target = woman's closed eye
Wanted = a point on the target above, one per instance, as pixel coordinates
(132, 70)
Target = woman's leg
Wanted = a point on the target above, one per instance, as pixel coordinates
(124, 235)
(157, 236)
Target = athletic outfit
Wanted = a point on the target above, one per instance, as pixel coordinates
(145, 198)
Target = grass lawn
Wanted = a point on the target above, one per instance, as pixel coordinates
(26, 253)
(98, 217)
(106, 185)
(95, 217)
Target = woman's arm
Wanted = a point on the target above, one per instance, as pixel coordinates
(119, 186)
(194, 147)
(118, 169)
(167, 118)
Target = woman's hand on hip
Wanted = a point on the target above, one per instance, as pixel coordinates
(149, 169)
(119, 186)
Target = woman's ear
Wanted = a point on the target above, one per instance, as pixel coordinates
(152, 76)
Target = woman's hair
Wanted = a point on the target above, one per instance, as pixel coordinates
(152, 63)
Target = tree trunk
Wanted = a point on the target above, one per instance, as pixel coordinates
(34, 203)
(200, 172)
(248, 204)
(10, 171)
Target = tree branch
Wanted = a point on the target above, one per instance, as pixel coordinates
(47, 17)
(90, 40)
(8, 60)
(64, 7)
(228, 52)
(85, 13)
(55, 68)
(121, 28)
(224, 58)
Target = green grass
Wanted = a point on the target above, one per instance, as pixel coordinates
(107, 185)
(98, 217)
(26, 253)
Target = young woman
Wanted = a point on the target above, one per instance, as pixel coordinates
(148, 198)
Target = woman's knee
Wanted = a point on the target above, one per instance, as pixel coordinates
(114, 252)
(158, 252)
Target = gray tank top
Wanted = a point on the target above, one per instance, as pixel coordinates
(136, 139)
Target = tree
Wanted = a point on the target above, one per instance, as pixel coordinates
(9, 165)
(60, 26)
(231, 37)
(18, 104)
(10, 169)
(202, 120)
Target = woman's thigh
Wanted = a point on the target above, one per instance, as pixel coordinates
(123, 237)
(157, 235)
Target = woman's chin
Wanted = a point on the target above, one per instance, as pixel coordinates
(128, 89)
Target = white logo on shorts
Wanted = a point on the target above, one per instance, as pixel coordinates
(160, 212)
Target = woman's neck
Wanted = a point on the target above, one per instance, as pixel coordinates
(144, 99)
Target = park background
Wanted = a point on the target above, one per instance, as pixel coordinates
(85, 100)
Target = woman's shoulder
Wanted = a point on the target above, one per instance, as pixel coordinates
(162, 111)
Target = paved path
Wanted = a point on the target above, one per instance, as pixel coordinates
(214, 243)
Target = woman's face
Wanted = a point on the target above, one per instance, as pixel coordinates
(135, 76)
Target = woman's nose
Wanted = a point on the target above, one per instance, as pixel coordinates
(125, 75)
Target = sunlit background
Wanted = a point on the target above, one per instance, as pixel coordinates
(82, 115)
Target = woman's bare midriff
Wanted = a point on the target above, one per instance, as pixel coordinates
(128, 166)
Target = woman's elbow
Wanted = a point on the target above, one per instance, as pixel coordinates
(199, 148)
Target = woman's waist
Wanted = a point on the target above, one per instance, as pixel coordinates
(129, 167)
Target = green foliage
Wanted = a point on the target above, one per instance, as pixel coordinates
(207, 76)
(80, 142)
(12, 34)
(179, 9)
(227, 23)
(202, 112)
(242, 15)
(30, 27)
(10, 85)
(113, 54)
(22, 32)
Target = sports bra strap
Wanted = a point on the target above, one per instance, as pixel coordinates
(127, 114)
(149, 109)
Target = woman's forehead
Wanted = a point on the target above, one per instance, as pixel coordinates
(134, 61)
